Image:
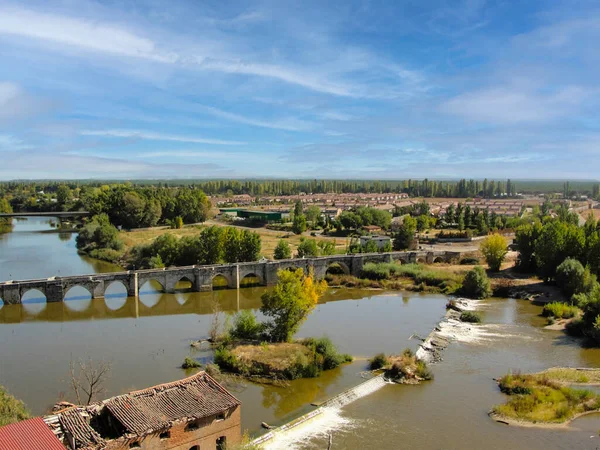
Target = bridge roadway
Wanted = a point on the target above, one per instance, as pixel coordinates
(201, 277)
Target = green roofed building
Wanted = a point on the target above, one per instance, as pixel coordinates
(252, 214)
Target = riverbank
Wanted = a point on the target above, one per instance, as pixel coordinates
(546, 399)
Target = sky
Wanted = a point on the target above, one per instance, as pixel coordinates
(300, 89)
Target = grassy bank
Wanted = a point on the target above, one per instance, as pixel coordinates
(545, 398)
(415, 277)
(403, 369)
(264, 361)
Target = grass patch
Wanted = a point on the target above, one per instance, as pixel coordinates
(390, 275)
(470, 316)
(560, 310)
(407, 369)
(189, 363)
(379, 361)
(569, 375)
(541, 398)
(281, 361)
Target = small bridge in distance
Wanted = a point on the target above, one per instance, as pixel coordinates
(58, 214)
(201, 278)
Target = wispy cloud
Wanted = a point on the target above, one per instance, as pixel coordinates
(289, 124)
(152, 136)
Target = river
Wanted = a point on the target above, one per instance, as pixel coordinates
(146, 339)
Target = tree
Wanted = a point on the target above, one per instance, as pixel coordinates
(290, 302)
(250, 245)
(231, 241)
(476, 284)
(405, 235)
(327, 248)
(63, 194)
(494, 249)
(98, 233)
(308, 248)
(11, 409)
(525, 238)
(370, 247)
(573, 278)
(283, 250)
(299, 224)
(211, 250)
(313, 213)
(88, 379)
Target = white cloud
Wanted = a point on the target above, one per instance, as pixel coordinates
(508, 105)
(290, 124)
(149, 135)
(79, 33)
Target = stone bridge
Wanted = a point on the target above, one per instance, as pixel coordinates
(202, 278)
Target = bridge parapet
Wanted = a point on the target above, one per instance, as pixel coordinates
(202, 277)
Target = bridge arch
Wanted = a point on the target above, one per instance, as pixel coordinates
(115, 289)
(438, 260)
(401, 260)
(337, 268)
(32, 296)
(184, 284)
(421, 260)
(151, 286)
(220, 281)
(251, 279)
(77, 292)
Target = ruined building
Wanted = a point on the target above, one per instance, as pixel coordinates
(190, 414)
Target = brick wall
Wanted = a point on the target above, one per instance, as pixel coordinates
(205, 436)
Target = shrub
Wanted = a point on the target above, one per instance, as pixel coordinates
(573, 278)
(225, 359)
(559, 310)
(378, 361)
(283, 250)
(106, 254)
(189, 363)
(476, 284)
(245, 326)
(470, 316)
(326, 354)
(11, 409)
(494, 249)
(468, 261)
(374, 271)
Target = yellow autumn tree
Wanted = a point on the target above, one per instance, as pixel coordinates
(290, 302)
(494, 249)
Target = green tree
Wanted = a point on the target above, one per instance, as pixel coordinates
(98, 234)
(327, 248)
(405, 235)
(525, 238)
(167, 247)
(299, 221)
(308, 248)
(313, 213)
(231, 238)
(283, 250)
(370, 247)
(211, 249)
(494, 249)
(63, 195)
(11, 409)
(476, 284)
(250, 245)
(573, 278)
(290, 302)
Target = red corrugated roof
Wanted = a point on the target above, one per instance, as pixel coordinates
(32, 434)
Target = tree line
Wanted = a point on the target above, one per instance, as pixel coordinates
(212, 245)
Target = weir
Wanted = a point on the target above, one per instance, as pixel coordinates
(202, 277)
(337, 402)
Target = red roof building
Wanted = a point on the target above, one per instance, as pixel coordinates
(32, 434)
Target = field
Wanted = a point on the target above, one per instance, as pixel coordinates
(269, 238)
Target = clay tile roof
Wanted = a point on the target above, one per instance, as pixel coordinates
(157, 407)
(76, 425)
(32, 434)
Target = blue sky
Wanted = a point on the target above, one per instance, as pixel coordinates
(307, 89)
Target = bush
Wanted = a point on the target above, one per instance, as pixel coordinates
(226, 360)
(573, 278)
(11, 409)
(378, 361)
(494, 249)
(559, 310)
(106, 254)
(470, 316)
(469, 261)
(245, 326)
(374, 271)
(476, 284)
(326, 354)
(189, 363)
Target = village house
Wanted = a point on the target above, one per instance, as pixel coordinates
(190, 414)
(371, 228)
(380, 241)
(32, 434)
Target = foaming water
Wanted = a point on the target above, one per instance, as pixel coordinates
(321, 422)
(330, 420)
